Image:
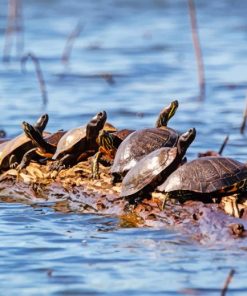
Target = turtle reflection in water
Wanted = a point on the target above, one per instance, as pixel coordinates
(206, 178)
(155, 167)
(142, 142)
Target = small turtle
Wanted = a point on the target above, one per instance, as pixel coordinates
(108, 145)
(155, 167)
(79, 143)
(44, 145)
(206, 178)
(13, 150)
(142, 142)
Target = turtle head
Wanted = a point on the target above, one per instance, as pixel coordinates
(42, 122)
(106, 140)
(185, 140)
(95, 125)
(166, 114)
(29, 130)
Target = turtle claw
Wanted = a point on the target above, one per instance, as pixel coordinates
(14, 165)
(57, 166)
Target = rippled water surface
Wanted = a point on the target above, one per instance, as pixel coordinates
(147, 47)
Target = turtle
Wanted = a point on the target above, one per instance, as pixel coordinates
(12, 152)
(78, 143)
(206, 178)
(108, 145)
(142, 142)
(155, 167)
(109, 142)
(44, 145)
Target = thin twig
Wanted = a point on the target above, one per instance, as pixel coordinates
(227, 282)
(14, 26)
(223, 145)
(242, 128)
(19, 28)
(69, 44)
(39, 74)
(197, 48)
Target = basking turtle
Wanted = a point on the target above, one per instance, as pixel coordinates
(108, 145)
(155, 167)
(78, 143)
(142, 142)
(109, 142)
(44, 145)
(206, 178)
(14, 149)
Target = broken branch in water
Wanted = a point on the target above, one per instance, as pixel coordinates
(227, 282)
(244, 119)
(14, 26)
(197, 48)
(39, 74)
(69, 44)
(223, 145)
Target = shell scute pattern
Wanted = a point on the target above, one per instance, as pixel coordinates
(69, 139)
(207, 175)
(147, 170)
(140, 143)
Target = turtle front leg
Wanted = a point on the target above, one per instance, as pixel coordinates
(66, 161)
(13, 163)
(95, 165)
(27, 157)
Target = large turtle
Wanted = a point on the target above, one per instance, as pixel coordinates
(79, 143)
(13, 150)
(155, 167)
(142, 142)
(206, 178)
(109, 142)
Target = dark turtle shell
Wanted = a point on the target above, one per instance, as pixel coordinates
(69, 140)
(147, 170)
(124, 133)
(77, 140)
(52, 139)
(109, 127)
(140, 143)
(207, 175)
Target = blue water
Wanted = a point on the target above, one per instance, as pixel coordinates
(147, 47)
